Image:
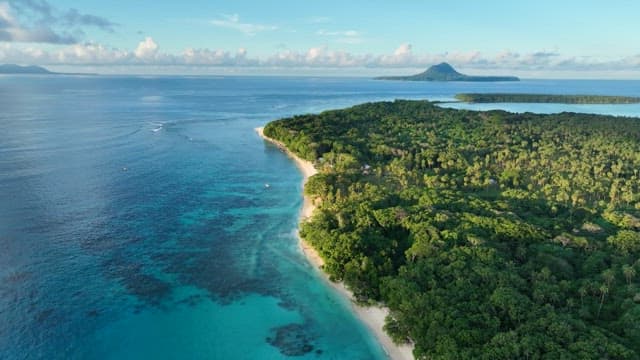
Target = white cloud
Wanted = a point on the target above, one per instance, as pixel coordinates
(147, 49)
(233, 22)
(39, 22)
(319, 20)
(342, 36)
(403, 57)
(403, 50)
(206, 57)
(12, 30)
(350, 33)
(77, 54)
(93, 54)
(320, 56)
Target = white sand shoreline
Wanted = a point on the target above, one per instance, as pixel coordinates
(372, 316)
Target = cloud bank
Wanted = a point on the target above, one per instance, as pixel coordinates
(148, 52)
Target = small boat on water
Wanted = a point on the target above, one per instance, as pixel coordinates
(267, 186)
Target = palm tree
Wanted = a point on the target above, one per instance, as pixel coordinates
(629, 273)
(609, 276)
(583, 292)
(604, 290)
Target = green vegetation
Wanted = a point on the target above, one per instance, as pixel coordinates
(445, 72)
(488, 234)
(546, 98)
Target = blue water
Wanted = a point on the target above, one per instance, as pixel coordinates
(134, 220)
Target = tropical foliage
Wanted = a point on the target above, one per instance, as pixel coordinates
(488, 234)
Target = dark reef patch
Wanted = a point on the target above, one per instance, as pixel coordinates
(191, 300)
(291, 340)
(145, 287)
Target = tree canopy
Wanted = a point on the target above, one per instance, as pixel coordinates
(488, 234)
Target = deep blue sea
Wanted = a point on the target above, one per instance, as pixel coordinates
(135, 222)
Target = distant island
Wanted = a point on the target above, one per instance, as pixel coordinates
(445, 72)
(546, 98)
(18, 69)
(13, 69)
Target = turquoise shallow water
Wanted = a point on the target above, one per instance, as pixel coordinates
(134, 220)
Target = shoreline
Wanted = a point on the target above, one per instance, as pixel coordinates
(372, 316)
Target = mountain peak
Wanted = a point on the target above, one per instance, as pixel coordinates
(442, 70)
(446, 72)
(443, 67)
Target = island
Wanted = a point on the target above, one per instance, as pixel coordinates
(445, 72)
(18, 69)
(488, 235)
(545, 98)
(13, 69)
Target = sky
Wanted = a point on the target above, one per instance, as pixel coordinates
(534, 39)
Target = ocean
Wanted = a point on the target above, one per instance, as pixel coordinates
(135, 221)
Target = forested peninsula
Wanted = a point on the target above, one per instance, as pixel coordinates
(545, 98)
(489, 235)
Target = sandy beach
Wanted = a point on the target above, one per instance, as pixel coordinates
(372, 316)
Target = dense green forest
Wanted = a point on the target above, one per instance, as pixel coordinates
(545, 98)
(488, 234)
